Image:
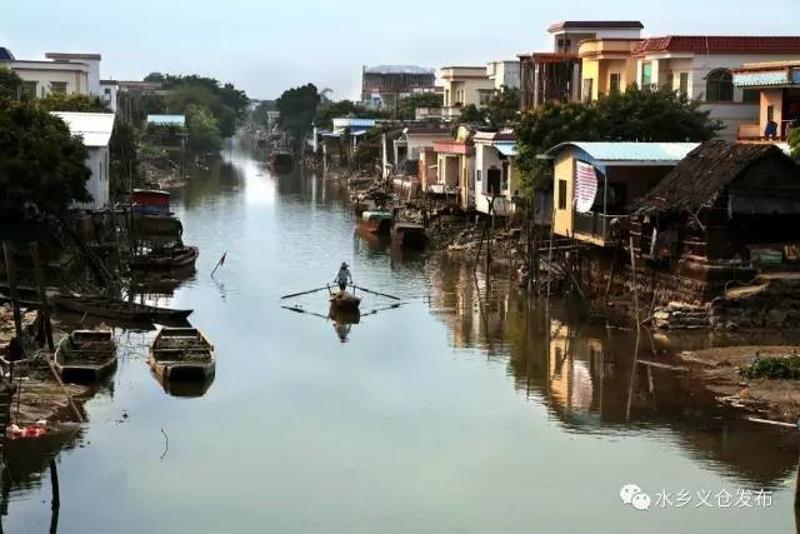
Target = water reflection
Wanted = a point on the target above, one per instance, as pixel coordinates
(586, 375)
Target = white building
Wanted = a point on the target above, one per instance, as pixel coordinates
(494, 159)
(701, 67)
(95, 130)
(504, 73)
(63, 73)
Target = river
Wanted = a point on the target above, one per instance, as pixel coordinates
(467, 409)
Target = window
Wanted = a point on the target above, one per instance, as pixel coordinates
(614, 83)
(684, 83)
(770, 113)
(647, 75)
(29, 89)
(751, 96)
(484, 97)
(562, 194)
(107, 90)
(588, 86)
(719, 86)
(670, 83)
(478, 175)
(58, 87)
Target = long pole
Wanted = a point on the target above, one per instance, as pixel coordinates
(635, 290)
(37, 269)
(12, 285)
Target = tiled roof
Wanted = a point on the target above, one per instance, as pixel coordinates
(720, 44)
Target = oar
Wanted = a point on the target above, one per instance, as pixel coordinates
(303, 293)
(300, 310)
(376, 293)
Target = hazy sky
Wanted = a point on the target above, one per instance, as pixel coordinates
(265, 47)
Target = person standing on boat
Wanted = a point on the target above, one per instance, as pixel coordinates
(343, 277)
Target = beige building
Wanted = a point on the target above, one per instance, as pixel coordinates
(620, 173)
(62, 73)
(464, 86)
(607, 66)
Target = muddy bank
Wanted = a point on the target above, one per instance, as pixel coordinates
(718, 370)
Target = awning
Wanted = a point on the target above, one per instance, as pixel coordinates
(506, 149)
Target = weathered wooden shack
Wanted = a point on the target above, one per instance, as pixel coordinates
(723, 213)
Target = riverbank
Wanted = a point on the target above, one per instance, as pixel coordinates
(719, 371)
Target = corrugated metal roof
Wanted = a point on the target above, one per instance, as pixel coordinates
(629, 151)
(167, 120)
(398, 69)
(94, 128)
(506, 148)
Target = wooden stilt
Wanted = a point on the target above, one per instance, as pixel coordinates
(635, 290)
(611, 277)
(12, 285)
(37, 269)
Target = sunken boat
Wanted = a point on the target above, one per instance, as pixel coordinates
(182, 355)
(165, 259)
(86, 356)
(119, 310)
(376, 221)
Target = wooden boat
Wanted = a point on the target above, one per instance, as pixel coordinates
(280, 162)
(114, 309)
(86, 355)
(182, 355)
(147, 225)
(164, 259)
(409, 235)
(377, 221)
(343, 302)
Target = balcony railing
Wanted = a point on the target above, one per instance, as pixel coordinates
(596, 225)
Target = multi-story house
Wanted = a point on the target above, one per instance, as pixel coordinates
(778, 87)
(702, 68)
(384, 85)
(504, 73)
(556, 76)
(464, 86)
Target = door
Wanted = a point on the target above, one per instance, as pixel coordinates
(493, 178)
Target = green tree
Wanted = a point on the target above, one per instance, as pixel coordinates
(40, 162)
(343, 108)
(794, 142)
(124, 149)
(503, 108)
(186, 95)
(73, 102)
(635, 115)
(298, 107)
(470, 114)
(154, 77)
(10, 83)
(408, 105)
(203, 130)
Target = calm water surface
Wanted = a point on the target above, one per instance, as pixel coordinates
(465, 410)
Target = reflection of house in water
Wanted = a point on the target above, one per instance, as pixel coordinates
(585, 375)
(474, 312)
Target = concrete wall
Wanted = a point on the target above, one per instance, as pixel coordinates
(486, 157)
(76, 79)
(564, 170)
(98, 184)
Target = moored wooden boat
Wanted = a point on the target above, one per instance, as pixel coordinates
(280, 162)
(343, 302)
(86, 355)
(377, 221)
(409, 235)
(182, 355)
(164, 259)
(113, 309)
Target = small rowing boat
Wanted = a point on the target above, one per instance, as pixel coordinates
(164, 259)
(86, 355)
(182, 355)
(344, 302)
(407, 235)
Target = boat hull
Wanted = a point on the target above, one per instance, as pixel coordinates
(182, 355)
(86, 356)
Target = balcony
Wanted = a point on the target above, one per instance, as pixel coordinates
(753, 133)
(595, 227)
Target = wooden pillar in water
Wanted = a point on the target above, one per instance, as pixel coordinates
(12, 285)
(55, 504)
(37, 269)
